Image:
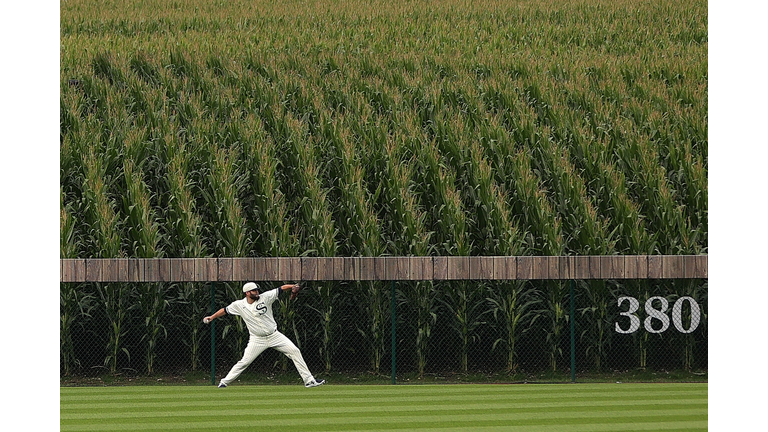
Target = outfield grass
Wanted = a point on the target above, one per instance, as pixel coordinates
(555, 407)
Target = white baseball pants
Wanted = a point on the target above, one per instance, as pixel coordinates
(257, 345)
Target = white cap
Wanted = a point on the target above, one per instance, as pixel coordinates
(250, 286)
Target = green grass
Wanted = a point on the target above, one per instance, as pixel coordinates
(556, 407)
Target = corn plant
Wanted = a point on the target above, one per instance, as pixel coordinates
(190, 302)
(588, 233)
(271, 221)
(363, 231)
(103, 218)
(512, 306)
(406, 215)
(184, 237)
(222, 197)
(101, 214)
(319, 230)
(76, 307)
(68, 244)
(685, 343)
(144, 231)
(183, 222)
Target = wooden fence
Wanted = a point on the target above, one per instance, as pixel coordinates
(384, 268)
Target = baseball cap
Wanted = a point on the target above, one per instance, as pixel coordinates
(250, 286)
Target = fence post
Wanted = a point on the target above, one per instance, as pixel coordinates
(573, 335)
(213, 334)
(394, 332)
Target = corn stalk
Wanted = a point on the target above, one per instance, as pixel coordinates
(144, 232)
(318, 227)
(184, 228)
(361, 227)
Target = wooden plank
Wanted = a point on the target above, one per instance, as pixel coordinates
(539, 267)
(499, 268)
(696, 267)
(655, 269)
(380, 268)
(594, 267)
(174, 269)
(308, 269)
(458, 267)
(164, 270)
(259, 268)
(631, 264)
(702, 266)
(136, 269)
(271, 269)
(205, 269)
(505, 267)
(581, 267)
(612, 267)
(152, 269)
(367, 270)
(390, 270)
(183, 269)
(73, 270)
(243, 269)
(422, 268)
(289, 269)
(224, 270)
(553, 267)
(122, 269)
(337, 263)
(324, 269)
(672, 267)
(567, 264)
(398, 268)
(110, 270)
(482, 267)
(188, 269)
(525, 267)
(440, 268)
(474, 268)
(351, 269)
(93, 270)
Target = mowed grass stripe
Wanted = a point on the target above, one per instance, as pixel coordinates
(671, 426)
(404, 394)
(380, 407)
(127, 410)
(425, 415)
(475, 407)
(388, 422)
(297, 390)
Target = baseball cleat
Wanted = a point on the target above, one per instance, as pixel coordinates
(222, 385)
(314, 383)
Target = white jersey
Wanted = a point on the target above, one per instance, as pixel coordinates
(257, 315)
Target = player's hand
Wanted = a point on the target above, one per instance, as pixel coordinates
(207, 320)
(295, 291)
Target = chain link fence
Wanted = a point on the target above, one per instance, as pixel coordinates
(471, 331)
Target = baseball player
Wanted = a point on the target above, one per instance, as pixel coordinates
(256, 310)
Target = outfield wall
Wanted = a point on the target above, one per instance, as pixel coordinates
(384, 268)
(510, 318)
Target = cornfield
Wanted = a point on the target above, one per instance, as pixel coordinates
(337, 128)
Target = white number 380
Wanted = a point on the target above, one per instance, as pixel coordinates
(657, 320)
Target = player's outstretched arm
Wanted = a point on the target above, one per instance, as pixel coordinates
(295, 288)
(219, 313)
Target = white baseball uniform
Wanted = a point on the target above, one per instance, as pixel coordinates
(263, 334)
